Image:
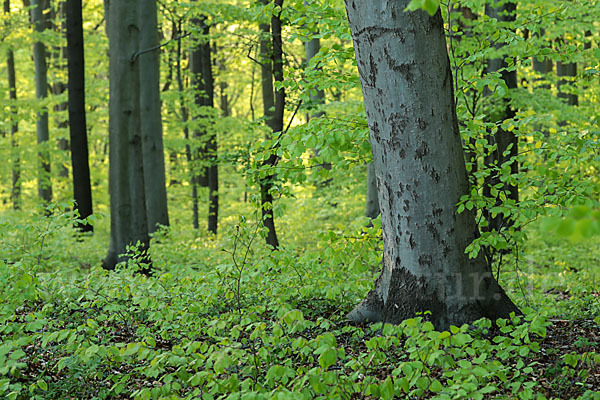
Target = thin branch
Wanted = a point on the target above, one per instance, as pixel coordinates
(139, 53)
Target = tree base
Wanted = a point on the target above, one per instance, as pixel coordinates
(400, 295)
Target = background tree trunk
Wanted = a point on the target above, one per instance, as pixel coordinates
(40, 21)
(420, 167)
(15, 193)
(128, 219)
(316, 95)
(503, 139)
(150, 117)
(567, 70)
(58, 62)
(271, 58)
(186, 132)
(202, 76)
(211, 145)
(197, 83)
(82, 190)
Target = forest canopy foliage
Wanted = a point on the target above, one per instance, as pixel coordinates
(223, 315)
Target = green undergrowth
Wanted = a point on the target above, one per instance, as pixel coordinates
(228, 318)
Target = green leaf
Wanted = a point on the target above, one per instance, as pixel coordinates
(222, 363)
(435, 386)
(328, 358)
(431, 6)
(42, 384)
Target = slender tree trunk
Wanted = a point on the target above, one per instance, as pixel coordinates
(15, 194)
(503, 139)
(201, 68)
(211, 145)
(567, 70)
(128, 217)
(543, 67)
(58, 58)
(39, 17)
(418, 158)
(82, 189)
(316, 95)
(186, 133)
(197, 83)
(150, 117)
(271, 53)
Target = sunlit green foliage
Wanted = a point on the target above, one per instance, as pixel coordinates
(224, 317)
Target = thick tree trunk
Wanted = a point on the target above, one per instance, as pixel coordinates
(271, 54)
(419, 163)
(128, 219)
(150, 117)
(82, 190)
(503, 139)
(39, 18)
(15, 193)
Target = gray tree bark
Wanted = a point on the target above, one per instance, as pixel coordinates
(372, 204)
(421, 175)
(150, 117)
(128, 219)
(40, 21)
(317, 95)
(15, 193)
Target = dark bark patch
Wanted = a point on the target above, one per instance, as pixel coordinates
(406, 207)
(404, 69)
(438, 212)
(398, 122)
(375, 130)
(372, 70)
(425, 260)
(431, 228)
(445, 248)
(390, 194)
(421, 151)
(409, 295)
(375, 32)
(435, 176)
(412, 243)
(402, 154)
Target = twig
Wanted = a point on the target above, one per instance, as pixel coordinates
(139, 53)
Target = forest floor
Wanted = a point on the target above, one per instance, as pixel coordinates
(226, 318)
